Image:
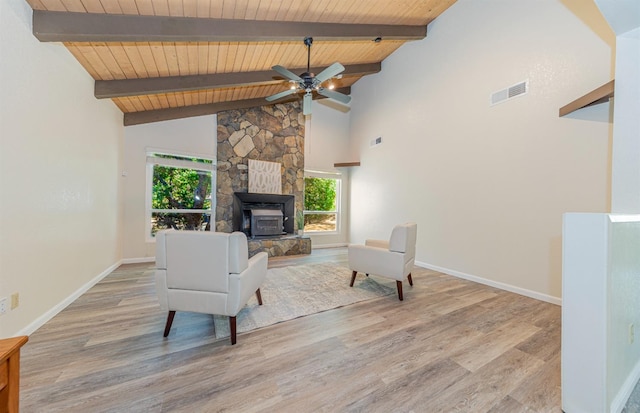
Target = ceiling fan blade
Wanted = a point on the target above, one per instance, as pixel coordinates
(306, 104)
(329, 72)
(340, 97)
(287, 73)
(281, 95)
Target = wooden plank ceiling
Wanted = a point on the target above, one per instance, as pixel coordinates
(168, 59)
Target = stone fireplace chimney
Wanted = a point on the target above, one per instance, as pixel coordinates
(273, 133)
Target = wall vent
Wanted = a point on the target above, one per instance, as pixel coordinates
(511, 92)
(375, 142)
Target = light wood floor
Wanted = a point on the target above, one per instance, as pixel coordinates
(450, 346)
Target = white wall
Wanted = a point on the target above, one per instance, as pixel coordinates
(626, 147)
(622, 15)
(326, 138)
(326, 142)
(601, 264)
(623, 309)
(601, 290)
(486, 185)
(195, 136)
(60, 197)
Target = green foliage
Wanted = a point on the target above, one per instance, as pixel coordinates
(179, 188)
(176, 188)
(300, 220)
(319, 194)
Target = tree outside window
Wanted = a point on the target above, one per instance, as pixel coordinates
(321, 202)
(180, 193)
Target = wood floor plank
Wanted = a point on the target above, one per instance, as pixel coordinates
(542, 386)
(343, 323)
(451, 345)
(424, 352)
(492, 382)
(413, 392)
(508, 404)
(379, 331)
(541, 344)
(488, 347)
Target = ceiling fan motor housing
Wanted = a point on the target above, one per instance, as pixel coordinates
(308, 80)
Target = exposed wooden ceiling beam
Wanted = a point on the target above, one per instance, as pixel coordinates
(50, 26)
(148, 86)
(149, 116)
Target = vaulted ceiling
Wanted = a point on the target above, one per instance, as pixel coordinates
(169, 59)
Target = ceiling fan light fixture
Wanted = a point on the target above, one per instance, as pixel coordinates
(309, 82)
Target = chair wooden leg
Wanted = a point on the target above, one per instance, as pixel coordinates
(259, 296)
(399, 284)
(353, 278)
(167, 326)
(410, 280)
(232, 328)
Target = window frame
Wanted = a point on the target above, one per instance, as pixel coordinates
(338, 204)
(152, 159)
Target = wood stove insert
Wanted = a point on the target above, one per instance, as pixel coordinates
(263, 215)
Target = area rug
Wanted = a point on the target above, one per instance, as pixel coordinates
(296, 291)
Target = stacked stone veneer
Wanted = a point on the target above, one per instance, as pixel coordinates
(268, 133)
(279, 247)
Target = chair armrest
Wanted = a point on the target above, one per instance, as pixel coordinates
(378, 243)
(242, 286)
(377, 261)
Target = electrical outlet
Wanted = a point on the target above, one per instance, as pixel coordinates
(3, 305)
(15, 300)
(632, 333)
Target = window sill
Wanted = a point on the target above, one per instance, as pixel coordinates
(321, 233)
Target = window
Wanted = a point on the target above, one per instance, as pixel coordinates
(321, 203)
(179, 192)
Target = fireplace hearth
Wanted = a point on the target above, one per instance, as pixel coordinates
(263, 215)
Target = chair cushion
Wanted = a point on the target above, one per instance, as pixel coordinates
(377, 261)
(378, 243)
(198, 301)
(197, 260)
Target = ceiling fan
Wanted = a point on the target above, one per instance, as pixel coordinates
(308, 82)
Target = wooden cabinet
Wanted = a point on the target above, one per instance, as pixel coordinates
(10, 373)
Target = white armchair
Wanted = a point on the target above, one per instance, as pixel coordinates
(391, 259)
(206, 272)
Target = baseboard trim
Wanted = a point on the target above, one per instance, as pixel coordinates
(40, 321)
(621, 399)
(141, 260)
(321, 246)
(503, 286)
